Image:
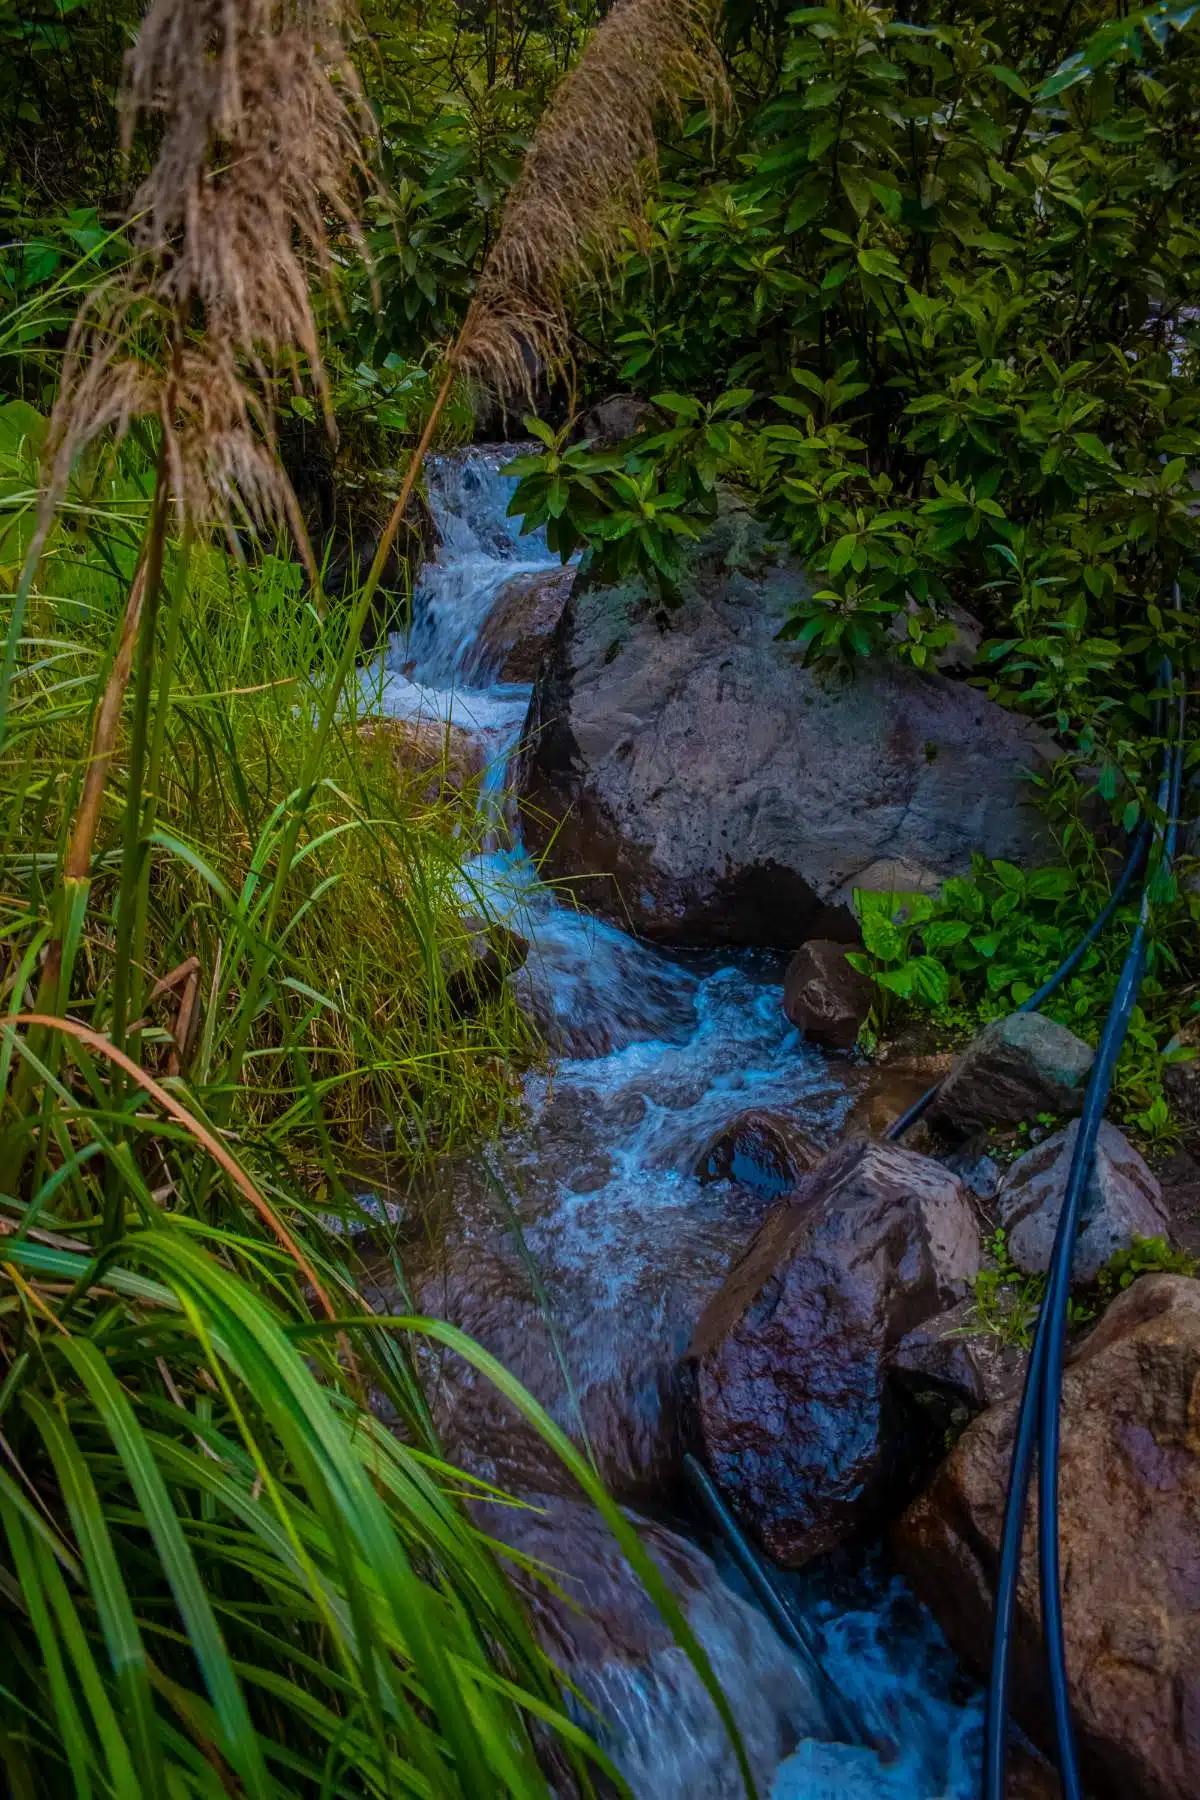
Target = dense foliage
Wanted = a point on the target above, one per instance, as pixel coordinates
(963, 312)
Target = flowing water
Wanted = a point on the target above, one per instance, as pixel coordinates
(581, 1250)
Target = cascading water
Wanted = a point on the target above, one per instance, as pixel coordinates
(590, 1238)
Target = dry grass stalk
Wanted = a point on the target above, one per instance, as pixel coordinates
(263, 139)
(579, 190)
(582, 183)
(263, 134)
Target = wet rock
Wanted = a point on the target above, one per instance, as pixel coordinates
(795, 1407)
(765, 1151)
(824, 997)
(951, 1353)
(591, 990)
(1130, 1531)
(978, 1172)
(475, 968)
(662, 1729)
(449, 758)
(886, 1091)
(520, 624)
(1016, 1068)
(612, 422)
(1123, 1201)
(731, 795)
(1179, 1176)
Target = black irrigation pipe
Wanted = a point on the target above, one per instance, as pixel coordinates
(1039, 1418)
(793, 1631)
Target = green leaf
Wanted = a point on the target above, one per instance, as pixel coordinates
(240, 1743)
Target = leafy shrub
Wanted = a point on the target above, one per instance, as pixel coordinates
(965, 299)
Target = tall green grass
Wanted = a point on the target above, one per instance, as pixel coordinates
(219, 1573)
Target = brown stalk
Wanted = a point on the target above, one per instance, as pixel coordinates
(262, 138)
(105, 727)
(578, 193)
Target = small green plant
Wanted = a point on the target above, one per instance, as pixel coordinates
(1145, 1256)
(893, 927)
(1006, 1302)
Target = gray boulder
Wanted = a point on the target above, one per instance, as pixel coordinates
(1123, 1201)
(1016, 1068)
(729, 794)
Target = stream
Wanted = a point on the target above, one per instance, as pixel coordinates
(581, 1249)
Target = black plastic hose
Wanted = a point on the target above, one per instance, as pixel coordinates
(794, 1633)
(1039, 1416)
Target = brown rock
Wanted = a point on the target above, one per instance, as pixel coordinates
(824, 997)
(796, 1411)
(762, 1150)
(1016, 1068)
(950, 1352)
(607, 1635)
(476, 966)
(1181, 1079)
(520, 624)
(447, 755)
(591, 1305)
(1130, 1525)
(613, 421)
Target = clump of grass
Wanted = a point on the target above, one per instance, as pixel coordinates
(222, 925)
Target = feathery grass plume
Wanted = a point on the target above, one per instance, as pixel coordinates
(263, 141)
(580, 187)
(582, 181)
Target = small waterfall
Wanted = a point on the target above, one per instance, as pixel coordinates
(656, 1053)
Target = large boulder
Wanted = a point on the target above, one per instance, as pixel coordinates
(1129, 1490)
(729, 794)
(516, 631)
(1123, 1201)
(1016, 1068)
(824, 997)
(796, 1411)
